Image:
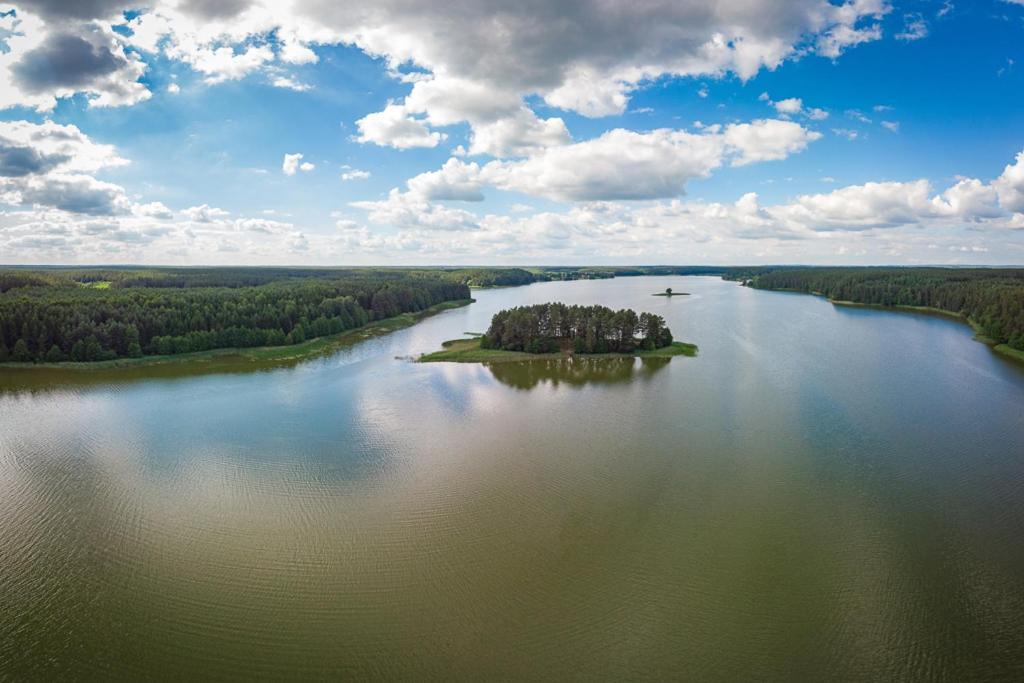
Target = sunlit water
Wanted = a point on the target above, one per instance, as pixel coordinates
(822, 493)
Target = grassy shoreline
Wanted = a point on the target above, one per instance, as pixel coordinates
(306, 349)
(469, 351)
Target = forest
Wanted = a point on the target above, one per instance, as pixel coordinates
(105, 314)
(991, 298)
(545, 328)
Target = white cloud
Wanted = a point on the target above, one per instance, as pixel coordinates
(31, 148)
(914, 27)
(767, 140)
(520, 134)
(174, 88)
(47, 166)
(790, 105)
(857, 116)
(349, 173)
(794, 106)
(620, 164)
(293, 163)
(1010, 186)
(204, 213)
(289, 83)
(74, 193)
(468, 62)
(891, 126)
(41, 62)
(395, 127)
(411, 211)
(455, 180)
(153, 210)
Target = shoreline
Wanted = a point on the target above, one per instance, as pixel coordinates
(1004, 350)
(306, 349)
(469, 351)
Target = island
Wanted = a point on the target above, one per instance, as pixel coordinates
(551, 330)
(668, 292)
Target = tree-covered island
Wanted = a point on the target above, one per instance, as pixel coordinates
(545, 330)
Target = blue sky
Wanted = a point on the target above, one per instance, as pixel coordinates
(866, 131)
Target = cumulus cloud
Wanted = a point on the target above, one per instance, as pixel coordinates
(293, 163)
(871, 222)
(1010, 186)
(289, 83)
(348, 173)
(74, 193)
(471, 62)
(44, 61)
(395, 127)
(593, 228)
(29, 148)
(619, 165)
(455, 180)
(794, 106)
(47, 165)
(204, 213)
(153, 210)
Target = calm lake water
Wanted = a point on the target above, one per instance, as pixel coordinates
(822, 493)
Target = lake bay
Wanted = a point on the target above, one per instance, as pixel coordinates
(823, 491)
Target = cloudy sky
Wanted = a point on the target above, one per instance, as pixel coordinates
(535, 132)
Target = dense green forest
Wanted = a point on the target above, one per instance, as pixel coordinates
(105, 314)
(545, 328)
(992, 299)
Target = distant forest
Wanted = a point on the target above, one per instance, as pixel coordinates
(105, 314)
(545, 328)
(92, 314)
(991, 298)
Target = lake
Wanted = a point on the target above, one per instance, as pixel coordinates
(823, 492)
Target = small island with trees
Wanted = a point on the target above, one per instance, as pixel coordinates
(551, 330)
(669, 293)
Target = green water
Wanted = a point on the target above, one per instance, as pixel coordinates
(823, 493)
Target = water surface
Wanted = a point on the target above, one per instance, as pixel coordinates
(823, 492)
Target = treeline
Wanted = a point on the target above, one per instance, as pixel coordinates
(495, 277)
(993, 299)
(183, 278)
(544, 328)
(52, 317)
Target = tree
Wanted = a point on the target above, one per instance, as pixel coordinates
(587, 329)
(21, 354)
(55, 355)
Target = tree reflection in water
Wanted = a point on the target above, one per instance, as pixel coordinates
(576, 371)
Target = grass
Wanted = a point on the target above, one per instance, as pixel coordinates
(469, 351)
(98, 284)
(256, 354)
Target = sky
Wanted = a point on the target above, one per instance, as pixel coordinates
(408, 132)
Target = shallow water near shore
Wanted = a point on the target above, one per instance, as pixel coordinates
(822, 492)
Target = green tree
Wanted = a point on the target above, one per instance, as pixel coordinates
(21, 354)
